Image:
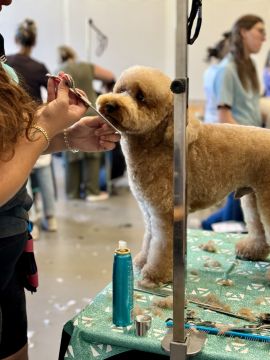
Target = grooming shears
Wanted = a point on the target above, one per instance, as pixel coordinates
(70, 83)
(251, 328)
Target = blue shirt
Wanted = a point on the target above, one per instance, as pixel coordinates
(210, 111)
(229, 90)
(266, 81)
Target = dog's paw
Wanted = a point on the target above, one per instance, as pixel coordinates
(250, 249)
(140, 260)
(152, 275)
(148, 284)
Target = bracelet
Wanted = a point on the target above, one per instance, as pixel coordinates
(69, 148)
(44, 132)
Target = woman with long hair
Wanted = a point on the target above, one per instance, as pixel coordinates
(237, 93)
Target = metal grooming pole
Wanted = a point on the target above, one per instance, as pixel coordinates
(89, 26)
(178, 342)
(178, 346)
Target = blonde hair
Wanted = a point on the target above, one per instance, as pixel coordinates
(66, 53)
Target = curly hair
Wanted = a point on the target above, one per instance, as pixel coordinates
(17, 111)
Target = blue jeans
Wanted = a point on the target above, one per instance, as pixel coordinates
(230, 211)
(45, 184)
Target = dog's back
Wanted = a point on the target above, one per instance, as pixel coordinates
(223, 158)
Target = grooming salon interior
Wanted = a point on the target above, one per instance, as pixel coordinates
(165, 258)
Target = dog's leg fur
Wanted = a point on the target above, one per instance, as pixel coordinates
(263, 203)
(254, 246)
(141, 258)
(159, 261)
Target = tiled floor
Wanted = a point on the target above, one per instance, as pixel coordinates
(76, 262)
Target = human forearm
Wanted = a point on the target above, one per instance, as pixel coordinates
(88, 134)
(57, 144)
(103, 74)
(49, 121)
(15, 171)
(225, 116)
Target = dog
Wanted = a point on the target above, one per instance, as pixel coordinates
(221, 159)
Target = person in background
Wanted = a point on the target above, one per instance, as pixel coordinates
(115, 157)
(265, 99)
(32, 75)
(214, 56)
(81, 169)
(26, 132)
(266, 75)
(237, 93)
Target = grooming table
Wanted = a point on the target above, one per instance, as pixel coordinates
(91, 334)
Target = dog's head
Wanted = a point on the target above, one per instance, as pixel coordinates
(140, 102)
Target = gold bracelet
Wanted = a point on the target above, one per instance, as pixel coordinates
(44, 132)
(69, 148)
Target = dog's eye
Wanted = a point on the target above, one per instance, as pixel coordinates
(140, 96)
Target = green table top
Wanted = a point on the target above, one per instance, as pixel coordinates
(93, 336)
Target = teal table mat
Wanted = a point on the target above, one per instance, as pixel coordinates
(93, 336)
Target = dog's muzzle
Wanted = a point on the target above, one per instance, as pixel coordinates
(111, 107)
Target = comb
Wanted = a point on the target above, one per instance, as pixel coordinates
(234, 334)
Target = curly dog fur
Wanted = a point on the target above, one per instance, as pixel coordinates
(221, 158)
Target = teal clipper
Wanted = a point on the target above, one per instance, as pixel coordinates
(122, 285)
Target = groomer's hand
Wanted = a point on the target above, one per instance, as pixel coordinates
(62, 110)
(91, 134)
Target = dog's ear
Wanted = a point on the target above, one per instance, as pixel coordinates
(192, 131)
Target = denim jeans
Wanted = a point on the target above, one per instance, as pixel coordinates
(45, 184)
(231, 211)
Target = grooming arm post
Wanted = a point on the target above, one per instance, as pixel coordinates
(177, 342)
(180, 90)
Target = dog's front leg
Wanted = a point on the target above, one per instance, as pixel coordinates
(158, 268)
(141, 258)
(256, 214)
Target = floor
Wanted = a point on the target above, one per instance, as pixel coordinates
(75, 263)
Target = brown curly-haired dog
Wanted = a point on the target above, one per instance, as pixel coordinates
(221, 158)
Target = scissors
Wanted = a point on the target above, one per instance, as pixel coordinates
(70, 83)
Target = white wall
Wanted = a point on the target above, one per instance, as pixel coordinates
(218, 16)
(139, 31)
(136, 29)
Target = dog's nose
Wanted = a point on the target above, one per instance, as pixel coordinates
(111, 107)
